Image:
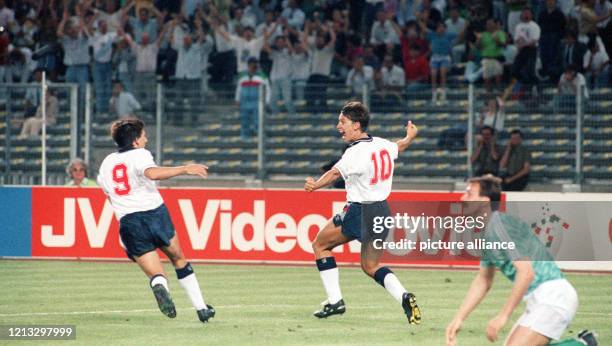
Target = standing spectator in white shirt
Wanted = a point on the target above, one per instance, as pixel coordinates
(146, 63)
(7, 15)
(526, 37)
(456, 25)
(123, 103)
(382, 35)
(322, 53)
(280, 76)
(102, 43)
(269, 25)
(596, 65)
(301, 69)
(360, 76)
(294, 15)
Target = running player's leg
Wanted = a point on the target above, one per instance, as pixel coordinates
(187, 279)
(151, 265)
(522, 335)
(370, 264)
(327, 239)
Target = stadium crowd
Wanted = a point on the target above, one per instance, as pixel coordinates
(388, 45)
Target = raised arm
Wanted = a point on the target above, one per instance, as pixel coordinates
(411, 133)
(62, 24)
(163, 173)
(477, 291)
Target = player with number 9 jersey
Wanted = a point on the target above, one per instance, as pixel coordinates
(128, 178)
(367, 168)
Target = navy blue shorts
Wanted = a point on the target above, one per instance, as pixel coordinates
(145, 231)
(357, 220)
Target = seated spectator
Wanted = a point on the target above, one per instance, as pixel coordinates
(77, 171)
(473, 67)
(33, 125)
(570, 83)
(382, 35)
(416, 70)
(596, 65)
(390, 81)
(123, 103)
(440, 62)
(491, 44)
(32, 95)
(485, 158)
(515, 163)
(360, 76)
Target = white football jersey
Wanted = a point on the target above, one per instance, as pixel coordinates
(122, 178)
(367, 168)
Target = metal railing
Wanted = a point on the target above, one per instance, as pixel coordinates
(565, 133)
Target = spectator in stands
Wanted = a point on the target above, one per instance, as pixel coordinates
(596, 65)
(247, 97)
(300, 69)
(102, 42)
(369, 12)
(588, 20)
(146, 63)
(456, 25)
(360, 77)
(370, 58)
(76, 54)
(515, 14)
(33, 125)
(382, 35)
(526, 38)
(322, 52)
(4, 54)
(77, 171)
(270, 25)
(345, 57)
(491, 44)
(7, 15)
(572, 52)
(46, 47)
(515, 163)
(406, 10)
(493, 115)
(428, 14)
(416, 70)
(473, 67)
(552, 23)
(440, 61)
(143, 24)
(32, 95)
(280, 75)
(487, 154)
(603, 7)
(294, 15)
(391, 82)
(570, 83)
(224, 59)
(124, 64)
(409, 37)
(123, 103)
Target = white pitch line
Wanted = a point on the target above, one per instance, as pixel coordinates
(279, 306)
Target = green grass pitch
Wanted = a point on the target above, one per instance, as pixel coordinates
(110, 303)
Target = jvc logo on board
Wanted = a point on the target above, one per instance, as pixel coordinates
(280, 232)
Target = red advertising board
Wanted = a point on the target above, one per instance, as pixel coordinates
(257, 225)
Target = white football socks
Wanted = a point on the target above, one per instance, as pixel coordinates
(192, 287)
(394, 287)
(331, 282)
(160, 279)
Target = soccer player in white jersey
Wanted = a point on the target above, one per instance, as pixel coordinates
(128, 178)
(367, 168)
(551, 301)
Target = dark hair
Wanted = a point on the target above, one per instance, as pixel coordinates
(126, 131)
(357, 112)
(486, 127)
(571, 67)
(592, 44)
(516, 132)
(490, 186)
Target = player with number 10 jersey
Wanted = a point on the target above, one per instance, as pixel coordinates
(367, 168)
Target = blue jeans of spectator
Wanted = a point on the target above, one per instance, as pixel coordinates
(102, 77)
(282, 87)
(79, 74)
(473, 72)
(299, 87)
(249, 120)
